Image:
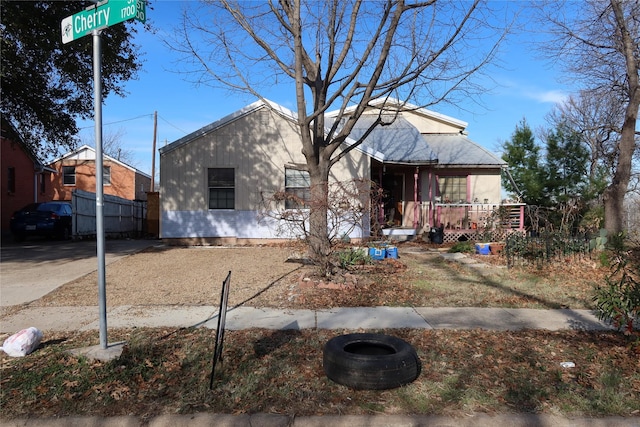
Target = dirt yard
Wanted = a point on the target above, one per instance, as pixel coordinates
(189, 276)
(276, 276)
(261, 276)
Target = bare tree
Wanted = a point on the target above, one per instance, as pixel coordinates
(340, 54)
(599, 43)
(596, 116)
(112, 146)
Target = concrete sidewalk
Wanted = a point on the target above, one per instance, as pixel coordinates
(87, 318)
(273, 420)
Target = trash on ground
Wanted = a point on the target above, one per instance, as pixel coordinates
(22, 343)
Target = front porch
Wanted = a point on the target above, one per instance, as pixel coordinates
(459, 221)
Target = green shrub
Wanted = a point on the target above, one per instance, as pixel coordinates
(618, 300)
(353, 256)
(466, 247)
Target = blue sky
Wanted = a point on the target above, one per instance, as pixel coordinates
(523, 86)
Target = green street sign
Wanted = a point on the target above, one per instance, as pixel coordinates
(103, 14)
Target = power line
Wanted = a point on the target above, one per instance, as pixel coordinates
(172, 125)
(140, 117)
(121, 121)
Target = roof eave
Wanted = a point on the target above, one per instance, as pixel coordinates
(279, 109)
(411, 162)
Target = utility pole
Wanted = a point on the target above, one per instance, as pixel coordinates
(153, 153)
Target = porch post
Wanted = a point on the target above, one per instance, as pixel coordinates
(522, 217)
(429, 209)
(415, 198)
(381, 202)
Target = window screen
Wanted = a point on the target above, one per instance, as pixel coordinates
(106, 175)
(297, 183)
(11, 180)
(69, 175)
(221, 182)
(453, 189)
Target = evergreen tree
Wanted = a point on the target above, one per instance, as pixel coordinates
(567, 166)
(567, 177)
(522, 155)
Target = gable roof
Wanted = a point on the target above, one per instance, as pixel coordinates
(212, 127)
(85, 149)
(9, 132)
(399, 142)
(279, 109)
(394, 105)
(456, 150)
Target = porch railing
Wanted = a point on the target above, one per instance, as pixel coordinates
(479, 216)
(477, 221)
(463, 220)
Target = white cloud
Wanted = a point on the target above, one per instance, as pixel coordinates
(549, 96)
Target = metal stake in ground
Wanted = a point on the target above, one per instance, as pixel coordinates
(222, 317)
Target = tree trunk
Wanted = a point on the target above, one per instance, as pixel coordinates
(613, 207)
(617, 190)
(319, 243)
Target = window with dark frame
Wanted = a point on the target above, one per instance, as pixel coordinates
(11, 180)
(221, 184)
(42, 181)
(69, 175)
(106, 175)
(453, 189)
(298, 184)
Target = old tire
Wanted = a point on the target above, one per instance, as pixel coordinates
(370, 361)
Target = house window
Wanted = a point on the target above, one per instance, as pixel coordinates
(453, 189)
(69, 175)
(11, 180)
(106, 175)
(297, 184)
(221, 182)
(42, 181)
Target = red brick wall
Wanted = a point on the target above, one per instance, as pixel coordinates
(122, 180)
(12, 155)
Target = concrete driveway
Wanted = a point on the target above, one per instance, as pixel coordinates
(32, 269)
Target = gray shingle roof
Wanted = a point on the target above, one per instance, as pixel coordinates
(401, 142)
(458, 150)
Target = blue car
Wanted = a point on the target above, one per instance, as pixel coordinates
(48, 219)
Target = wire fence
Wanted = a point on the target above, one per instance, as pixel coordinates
(547, 247)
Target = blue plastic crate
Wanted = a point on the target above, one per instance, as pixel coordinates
(377, 253)
(392, 252)
(482, 248)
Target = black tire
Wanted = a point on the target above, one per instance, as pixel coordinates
(18, 237)
(370, 361)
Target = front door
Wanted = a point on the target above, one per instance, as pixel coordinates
(393, 186)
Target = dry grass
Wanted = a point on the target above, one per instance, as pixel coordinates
(271, 277)
(167, 371)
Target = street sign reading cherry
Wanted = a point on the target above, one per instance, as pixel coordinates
(103, 14)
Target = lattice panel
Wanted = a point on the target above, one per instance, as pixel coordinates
(453, 236)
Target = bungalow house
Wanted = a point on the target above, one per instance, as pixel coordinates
(77, 170)
(212, 181)
(24, 177)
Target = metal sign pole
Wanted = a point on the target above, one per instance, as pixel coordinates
(89, 21)
(97, 101)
